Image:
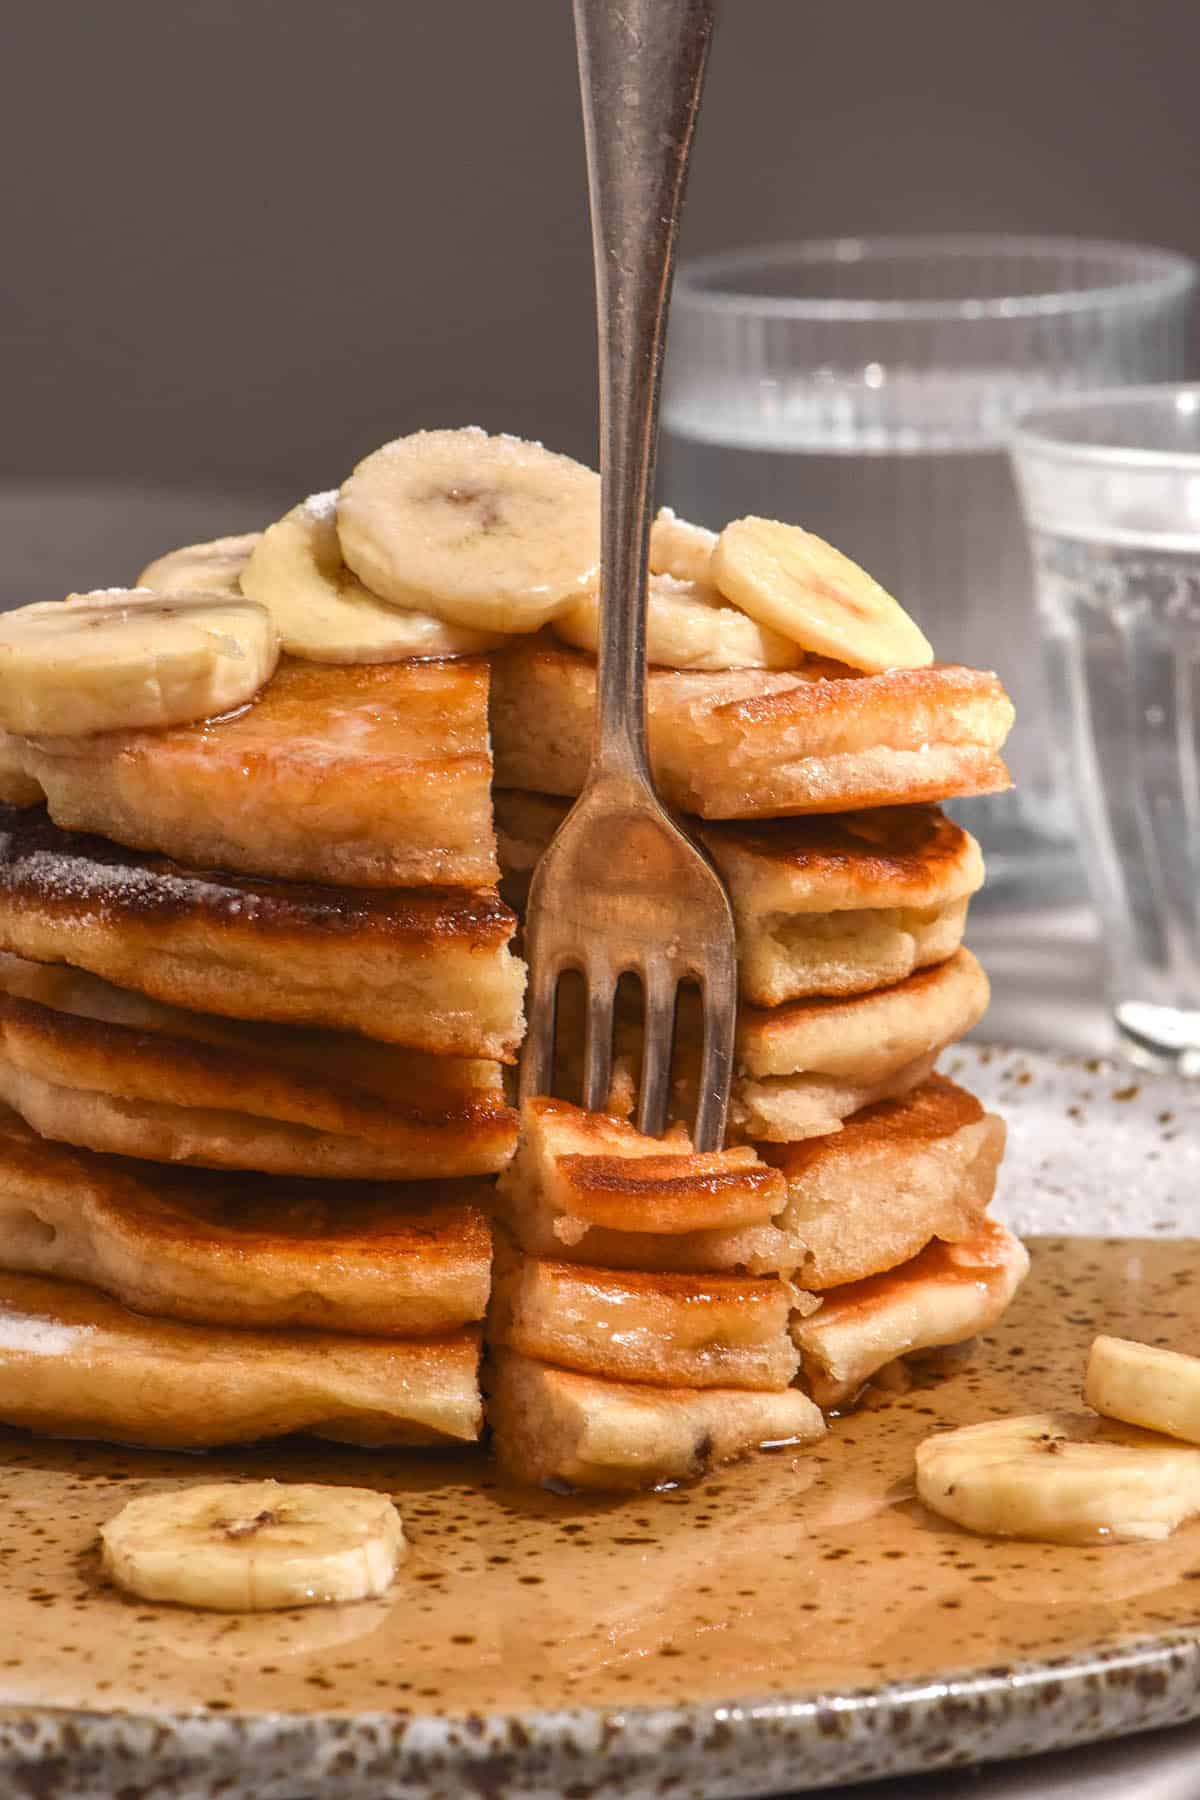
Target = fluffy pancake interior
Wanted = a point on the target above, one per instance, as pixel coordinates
(684, 1330)
(946, 1293)
(559, 1427)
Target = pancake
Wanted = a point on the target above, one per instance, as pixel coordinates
(947, 1293)
(410, 1260)
(865, 1037)
(363, 775)
(822, 905)
(427, 967)
(75, 1364)
(804, 1067)
(896, 1176)
(576, 1174)
(697, 1331)
(856, 1203)
(753, 743)
(559, 1428)
(87, 1063)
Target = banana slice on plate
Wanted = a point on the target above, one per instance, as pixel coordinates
(680, 549)
(1144, 1385)
(324, 613)
(488, 532)
(252, 1546)
(801, 586)
(121, 659)
(688, 626)
(211, 568)
(1067, 1477)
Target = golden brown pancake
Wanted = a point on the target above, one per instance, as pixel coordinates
(393, 1260)
(557, 1427)
(95, 1066)
(858, 1202)
(698, 1331)
(363, 775)
(823, 905)
(804, 1067)
(75, 1364)
(426, 967)
(945, 1294)
(896, 1176)
(578, 1176)
(753, 743)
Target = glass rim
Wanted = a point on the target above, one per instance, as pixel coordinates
(1173, 274)
(1038, 431)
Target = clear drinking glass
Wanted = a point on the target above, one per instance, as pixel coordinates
(1111, 488)
(866, 388)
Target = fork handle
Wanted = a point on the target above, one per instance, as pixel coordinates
(641, 69)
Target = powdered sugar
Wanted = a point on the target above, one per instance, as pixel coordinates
(27, 1335)
(322, 506)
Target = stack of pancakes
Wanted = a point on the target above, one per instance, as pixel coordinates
(256, 991)
(658, 1310)
(257, 988)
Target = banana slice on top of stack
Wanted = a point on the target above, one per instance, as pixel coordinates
(1128, 1471)
(122, 659)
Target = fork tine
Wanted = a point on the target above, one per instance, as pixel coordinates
(658, 1039)
(719, 987)
(598, 1037)
(537, 1053)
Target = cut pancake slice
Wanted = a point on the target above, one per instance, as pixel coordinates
(92, 1065)
(805, 1067)
(896, 1176)
(823, 905)
(855, 1203)
(582, 1178)
(756, 743)
(411, 1260)
(947, 1293)
(430, 967)
(557, 1427)
(363, 776)
(674, 1330)
(75, 1364)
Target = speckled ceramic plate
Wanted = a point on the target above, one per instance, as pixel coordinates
(796, 1622)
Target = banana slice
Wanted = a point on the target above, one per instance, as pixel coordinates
(1143, 1385)
(201, 568)
(688, 626)
(488, 532)
(324, 613)
(796, 583)
(252, 1546)
(1067, 1477)
(680, 549)
(121, 659)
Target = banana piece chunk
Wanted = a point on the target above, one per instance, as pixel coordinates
(324, 613)
(801, 586)
(253, 1546)
(122, 659)
(1069, 1478)
(488, 532)
(680, 549)
(688, 626)
(1145, 1385)
(212, 568)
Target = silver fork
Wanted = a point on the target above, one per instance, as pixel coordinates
(622, 887)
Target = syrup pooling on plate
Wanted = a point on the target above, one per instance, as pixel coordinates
(790, 1575)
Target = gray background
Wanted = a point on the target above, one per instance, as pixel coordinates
(245, 240)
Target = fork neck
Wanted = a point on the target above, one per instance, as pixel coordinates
(641, 65)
